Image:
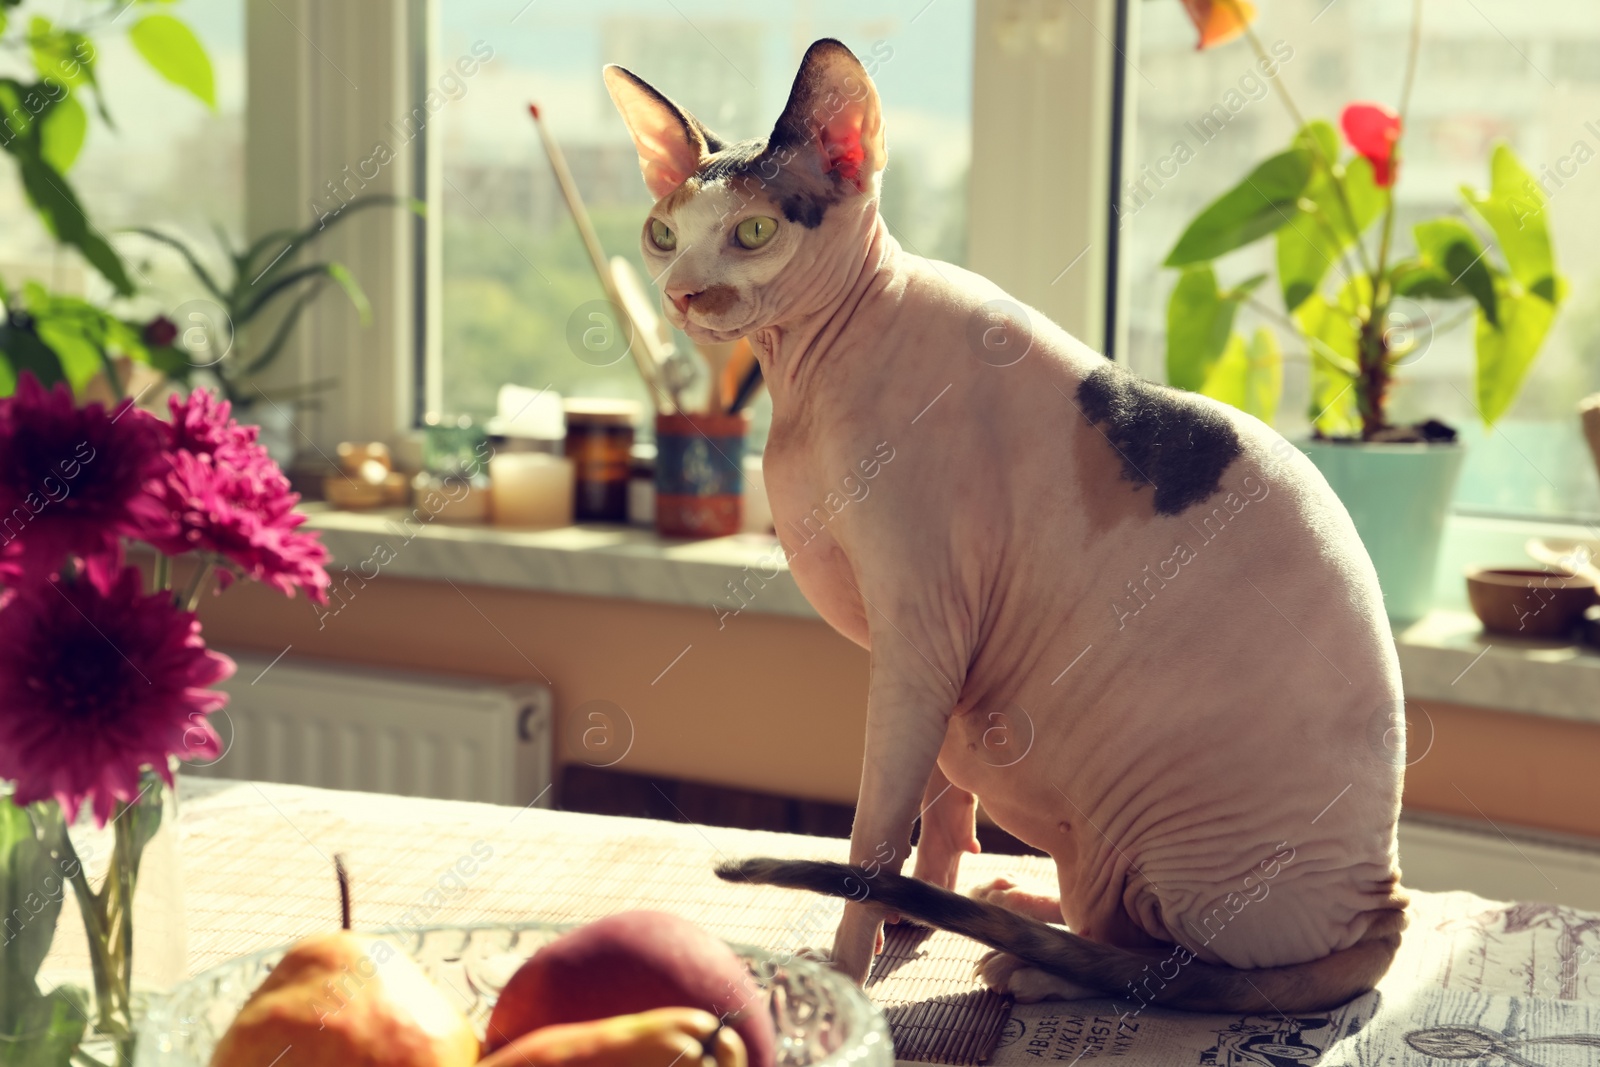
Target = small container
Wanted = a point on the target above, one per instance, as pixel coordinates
(1525, 602)
(451, 498)
(699, 474)
(531, 489)
(600, 445)
(642, 486)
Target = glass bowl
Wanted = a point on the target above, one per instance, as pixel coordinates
(822, 1019)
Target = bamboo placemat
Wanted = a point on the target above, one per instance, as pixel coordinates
(936, 1012)
(257, 872)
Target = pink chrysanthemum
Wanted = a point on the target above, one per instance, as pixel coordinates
(228, 497)
(97, 682)
(73, 480)
(202, 423)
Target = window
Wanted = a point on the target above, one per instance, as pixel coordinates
(168, 163)
(514, 271)
(1536, 85)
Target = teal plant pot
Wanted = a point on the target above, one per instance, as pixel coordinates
(1399, 497)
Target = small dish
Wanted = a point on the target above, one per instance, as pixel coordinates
(1528, 602)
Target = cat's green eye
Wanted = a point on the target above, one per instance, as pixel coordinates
(755, 231)
(661, 236)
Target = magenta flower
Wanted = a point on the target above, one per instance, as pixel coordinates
(229, 498)
(160, 332)
(202, 423)
(73, 481)
(97, 681)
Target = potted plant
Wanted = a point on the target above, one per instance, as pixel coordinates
(60, 336)
(63, 337)
(211, 341)
(1341, 267)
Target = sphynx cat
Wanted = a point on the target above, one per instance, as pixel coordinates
(1133, 621)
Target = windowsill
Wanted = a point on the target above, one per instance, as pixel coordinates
(1447, 657)
(623, 562)
(1444, 657)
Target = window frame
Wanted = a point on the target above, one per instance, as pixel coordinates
(1054, 192)
(325, 84)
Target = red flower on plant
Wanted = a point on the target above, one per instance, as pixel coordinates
(73, 481)
(1219, 21)
(97, 681)
(229, 498)
(1373, 131)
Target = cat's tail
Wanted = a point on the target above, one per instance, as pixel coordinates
(1170, 977)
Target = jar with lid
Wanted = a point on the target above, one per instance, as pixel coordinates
(600, 444)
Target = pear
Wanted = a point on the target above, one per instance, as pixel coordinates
(349, 1000)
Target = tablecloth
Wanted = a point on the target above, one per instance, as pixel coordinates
(1476, 982)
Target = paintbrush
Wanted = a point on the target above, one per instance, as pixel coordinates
(733, 372)
(749, 386)
(644, 346)
(717, 356)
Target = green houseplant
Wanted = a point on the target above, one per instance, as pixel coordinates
(1341, 267)
(266, 274)
(44, 122)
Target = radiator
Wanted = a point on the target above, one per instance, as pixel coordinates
(339, 726)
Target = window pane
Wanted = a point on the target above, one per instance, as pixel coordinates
(169, 163)
(515, 272)
(1490, 70)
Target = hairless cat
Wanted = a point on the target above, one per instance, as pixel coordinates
(1133, 621)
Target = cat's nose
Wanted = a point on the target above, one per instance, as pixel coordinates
(680, 298)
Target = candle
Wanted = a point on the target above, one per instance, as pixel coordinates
(531, 489)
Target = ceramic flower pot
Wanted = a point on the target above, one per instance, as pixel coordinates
(1398, 496)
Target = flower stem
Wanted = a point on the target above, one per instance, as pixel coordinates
(163, 573)
(1373, 349)
(1299, 121)
(1313, 344)
(92, 906)
(113, 379)
(191, 596)
(127, 878)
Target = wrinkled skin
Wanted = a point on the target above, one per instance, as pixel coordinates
(1185, 692)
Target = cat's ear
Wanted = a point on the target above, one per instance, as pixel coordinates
(671, 142)
(834, 109)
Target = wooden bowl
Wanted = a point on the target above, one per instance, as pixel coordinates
(1528, 601)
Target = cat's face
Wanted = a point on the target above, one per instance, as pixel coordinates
(745, 235)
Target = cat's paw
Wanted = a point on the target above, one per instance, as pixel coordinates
(1004, 893)
(994, 892)
(1014, 977)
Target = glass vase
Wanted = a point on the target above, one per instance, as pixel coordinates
(94, 929)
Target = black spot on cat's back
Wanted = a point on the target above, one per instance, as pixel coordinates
(1163, 437)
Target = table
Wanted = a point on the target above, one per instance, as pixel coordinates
(257, 871)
